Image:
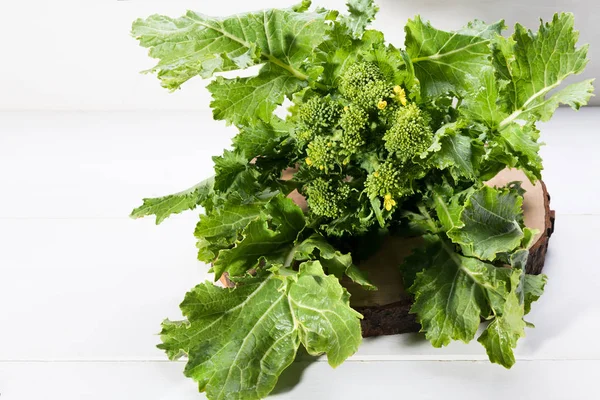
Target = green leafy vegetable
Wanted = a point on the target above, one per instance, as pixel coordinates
(377, 141)
(444, 61)
(361, 14)
(489, 223)
(539, 64)
(163, 207)
(239, 341)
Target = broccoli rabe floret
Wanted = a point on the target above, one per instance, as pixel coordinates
(364, 85)
(410, 133)
(326, 198)
(387, 182)
(353, 123)
(323, 153)
(317, 115)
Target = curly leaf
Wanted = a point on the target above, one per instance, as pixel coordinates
(196, 44)
(242, 100)
(227, 222)
(575, 96)
(238, 341)
(501, 335)
(454, 292)
(448, 302)
(261, 138)
(261, 241)
(228, 167)
(481, 29)
(537, 63)
(522, 143)
(199, 45)
(533, 289)
(162, 207)
(339, 51)
(443, 61)
(490, 223)
(453, 151)
(333, 260)
(483, 105)
(362, 13)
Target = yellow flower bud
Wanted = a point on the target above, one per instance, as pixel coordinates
(388, 202)
(308, 161)
(400, 94)
(382, 104)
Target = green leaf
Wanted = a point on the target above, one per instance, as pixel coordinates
(481, 29)
(261, 138)
(208, 249)
(228, 168)
(443, 61)
(483, 103)
(303, 6)
(334, 261)
(339, 51)
(243, 100)
(261, 241)
(162, 207)
(575, 96)
(196, 44)
(362, 13)
(490, 223)
(448, 208)
(227, 222)
(453, 151)
(238, 341)
(533, 288)
(448, 302)
(258, 241)
(287, 216)
(453, 293)
(522, 143)
(501, 335)
(321, 307)
(537, 64)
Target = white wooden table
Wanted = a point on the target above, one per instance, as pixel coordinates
(83, 288)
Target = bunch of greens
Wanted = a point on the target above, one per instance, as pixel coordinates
(377, 139)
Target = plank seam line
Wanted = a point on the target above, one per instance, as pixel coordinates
(558, 215)
(296, 361)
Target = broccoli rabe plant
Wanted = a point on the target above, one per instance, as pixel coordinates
(379, 140)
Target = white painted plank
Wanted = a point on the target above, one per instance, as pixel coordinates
(96, 164)
(98, 290)
(533, 380)
(93, 165)
(571, 160)
(92, 289)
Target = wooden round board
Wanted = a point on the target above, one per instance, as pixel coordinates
(386, 310)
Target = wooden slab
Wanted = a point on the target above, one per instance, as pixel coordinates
(386, 311)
